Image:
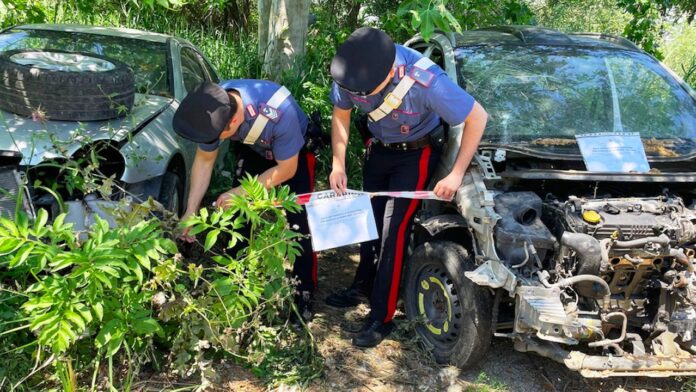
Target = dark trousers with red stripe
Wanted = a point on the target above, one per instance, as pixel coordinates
(249, 161)
(381, 260)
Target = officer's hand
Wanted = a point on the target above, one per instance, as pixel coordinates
(338, 181)
(185, 233)
(224, 198)
(447, 187)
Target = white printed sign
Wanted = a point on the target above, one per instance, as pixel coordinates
(613, 152)
(336, 221)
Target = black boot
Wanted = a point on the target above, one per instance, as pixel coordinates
(346, 298)
(372, 333)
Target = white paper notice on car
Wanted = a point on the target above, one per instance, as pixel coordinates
(613, 152)
(336, 221)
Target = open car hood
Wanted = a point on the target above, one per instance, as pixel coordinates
(38, 141)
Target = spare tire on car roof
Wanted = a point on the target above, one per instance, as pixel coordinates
(67, 86)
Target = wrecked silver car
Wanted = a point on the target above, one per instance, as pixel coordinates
(85, 118)
(594, 270)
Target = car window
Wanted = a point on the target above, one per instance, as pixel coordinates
(209, 70)
(432, 51)
(147, 59)
(550, 94)
(191, 69)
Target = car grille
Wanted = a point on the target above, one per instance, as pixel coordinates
(10, 186)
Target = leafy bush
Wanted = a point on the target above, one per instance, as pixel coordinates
(116, 293)
(680, 53)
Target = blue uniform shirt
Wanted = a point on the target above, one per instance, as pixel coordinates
(422, 107)
(279, 140)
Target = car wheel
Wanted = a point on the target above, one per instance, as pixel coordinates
(58, 85)
(454, 313)
(170, 193)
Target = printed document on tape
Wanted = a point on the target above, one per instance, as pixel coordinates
(336, 221)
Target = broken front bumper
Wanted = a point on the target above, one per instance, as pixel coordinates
(597, 366)
(14, 194)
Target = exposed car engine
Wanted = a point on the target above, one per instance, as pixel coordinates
(615, 274)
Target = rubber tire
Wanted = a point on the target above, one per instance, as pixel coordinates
(65, 95)
(474, 336)
(170, 193)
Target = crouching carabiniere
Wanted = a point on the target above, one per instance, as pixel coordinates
(271, 127)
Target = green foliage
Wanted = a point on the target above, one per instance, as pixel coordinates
(110, 293)
(648, 20)
(481, 13)
(13, 12)
(601, 16)
(645, 25)
(484, 383)
(78, 286)
(680, 52)
(245, 293)
(427, 16)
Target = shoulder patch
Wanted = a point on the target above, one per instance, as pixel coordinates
(422, 76)
(402, 71)
(251, 110)
(270, 113)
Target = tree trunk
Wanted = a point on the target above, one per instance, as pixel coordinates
(353, 15)
(282, 33)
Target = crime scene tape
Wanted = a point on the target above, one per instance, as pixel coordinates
(305, 198)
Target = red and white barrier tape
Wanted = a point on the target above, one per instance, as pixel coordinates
(422, 195)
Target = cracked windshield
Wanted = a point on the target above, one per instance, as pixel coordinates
(541, 97)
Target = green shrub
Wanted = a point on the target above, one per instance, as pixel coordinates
(114, 294)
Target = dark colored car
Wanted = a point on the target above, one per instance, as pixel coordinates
(593, 269)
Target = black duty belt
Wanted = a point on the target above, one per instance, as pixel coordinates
(405, 146)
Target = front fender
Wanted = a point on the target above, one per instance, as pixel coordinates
(437, 224)
(452, 227)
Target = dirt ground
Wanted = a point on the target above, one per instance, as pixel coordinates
(400, 364)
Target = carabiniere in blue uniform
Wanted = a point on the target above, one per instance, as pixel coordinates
(274, 128)
(400, 157)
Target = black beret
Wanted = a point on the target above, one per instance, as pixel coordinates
(203, 114)
(364, 60)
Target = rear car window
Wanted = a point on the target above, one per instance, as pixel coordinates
(147, 59)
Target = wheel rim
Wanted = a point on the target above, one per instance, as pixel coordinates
(438, 306)
(67, 62)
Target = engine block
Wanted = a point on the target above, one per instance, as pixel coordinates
(627, 219)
